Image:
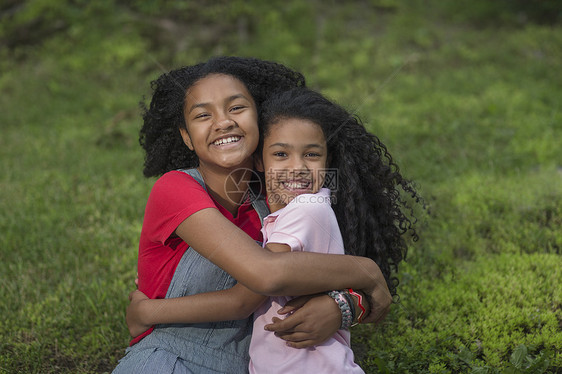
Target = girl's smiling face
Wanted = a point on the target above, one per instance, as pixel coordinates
(221, 122)
(294, 159)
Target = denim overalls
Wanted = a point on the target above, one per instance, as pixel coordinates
(218, 347)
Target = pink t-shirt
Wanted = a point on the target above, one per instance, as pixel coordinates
(308, 224)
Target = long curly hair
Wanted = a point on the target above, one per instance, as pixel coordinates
(372, 213)
(160, 137)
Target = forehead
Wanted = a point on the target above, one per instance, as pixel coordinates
(215, 88)
(295, 130)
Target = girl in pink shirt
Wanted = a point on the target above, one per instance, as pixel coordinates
(311, 178)
(294, 155)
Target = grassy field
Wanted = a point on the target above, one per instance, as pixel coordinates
(467, 99)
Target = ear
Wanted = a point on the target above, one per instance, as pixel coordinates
(186, 138)
(258, 163)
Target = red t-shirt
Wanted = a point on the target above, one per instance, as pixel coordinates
(174, 197)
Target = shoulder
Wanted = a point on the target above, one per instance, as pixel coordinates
(315, 209)
(318, 203)
(176, 180)
(174, 197)
(176, 176)
(175, 190)
(310, 219)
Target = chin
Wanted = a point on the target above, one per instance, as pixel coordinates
(234, 162)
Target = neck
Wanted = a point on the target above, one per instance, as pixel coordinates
(227, 186)
(274, 202)
(274, 207)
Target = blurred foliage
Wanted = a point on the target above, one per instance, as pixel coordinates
(462, 311)
(503, 12)
(218, 23)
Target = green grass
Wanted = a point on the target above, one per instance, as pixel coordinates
(469, 107)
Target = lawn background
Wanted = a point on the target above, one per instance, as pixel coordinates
(466, 95)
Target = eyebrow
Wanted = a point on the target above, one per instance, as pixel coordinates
(227, 100)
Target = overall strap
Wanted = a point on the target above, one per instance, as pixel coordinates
(196, 175)
(258, 200)
(260, 206)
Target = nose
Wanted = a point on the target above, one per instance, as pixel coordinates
(224, 123)
(300, 167)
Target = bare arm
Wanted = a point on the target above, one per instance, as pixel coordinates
(269, 273)
(235, 303)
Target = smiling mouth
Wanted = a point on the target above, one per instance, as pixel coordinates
(296, 185)
(227, 140)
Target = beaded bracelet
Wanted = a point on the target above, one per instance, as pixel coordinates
(343, 304)
(350, 302)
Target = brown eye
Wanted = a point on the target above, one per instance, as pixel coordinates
(312, 154)
(237, 108)
(202, 115)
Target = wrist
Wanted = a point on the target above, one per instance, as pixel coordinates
(144, 312)
(345, 305)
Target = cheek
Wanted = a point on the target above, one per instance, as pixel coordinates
(321, 175)
(253, 131)
(252, 123)
(186, 138)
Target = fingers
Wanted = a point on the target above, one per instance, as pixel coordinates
(302, 343)
(136, 296)
(313, 322)
(299, 339)
(296, 335)
(278, 324)
(294, 304)
(287, 309)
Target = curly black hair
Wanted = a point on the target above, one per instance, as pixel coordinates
(372, 213)
(160, 137)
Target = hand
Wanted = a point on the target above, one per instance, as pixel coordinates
(134, 321)
(311, 320)
(379, 301)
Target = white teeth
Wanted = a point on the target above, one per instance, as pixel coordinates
(230, 139)
(296, 185)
